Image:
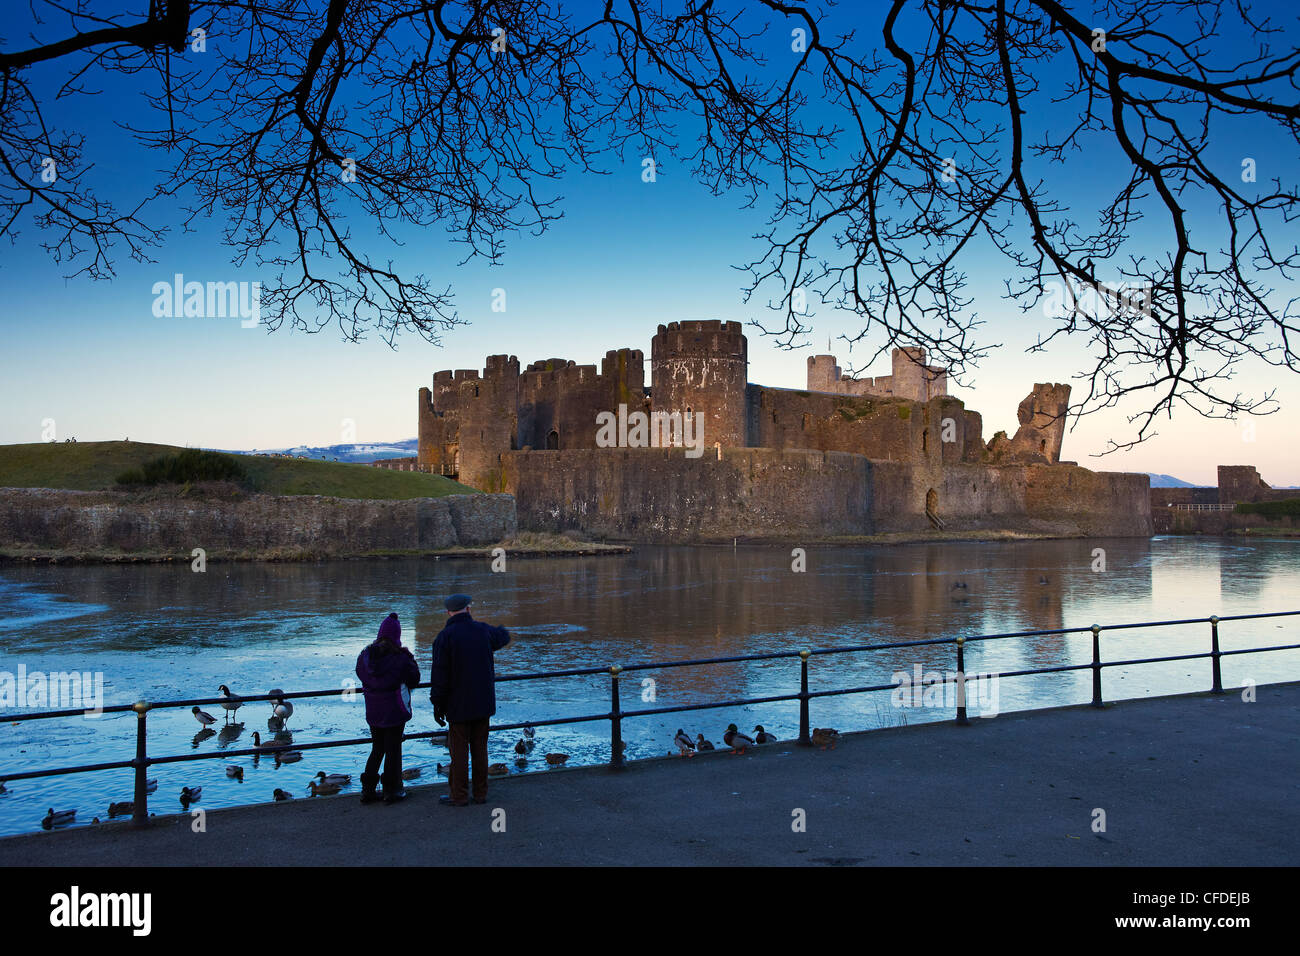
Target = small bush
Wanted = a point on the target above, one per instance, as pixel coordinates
(1284, 508)
(188, 466)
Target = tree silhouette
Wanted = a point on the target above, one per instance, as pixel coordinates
(893, 140)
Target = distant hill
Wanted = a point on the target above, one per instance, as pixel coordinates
(94, 466)
(355, 452)
(1169, 481)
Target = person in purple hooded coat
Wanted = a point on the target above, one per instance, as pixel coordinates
(388, 672)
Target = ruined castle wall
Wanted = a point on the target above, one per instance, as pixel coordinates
(702, 367)
(121, 524)
(658, 494)
(487, 421)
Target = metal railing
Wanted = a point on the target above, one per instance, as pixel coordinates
(616, 714)
(1210, 507)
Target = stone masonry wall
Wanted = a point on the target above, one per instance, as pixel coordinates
(91, 521)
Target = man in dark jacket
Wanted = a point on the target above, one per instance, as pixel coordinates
(387, 671)
(462, 687)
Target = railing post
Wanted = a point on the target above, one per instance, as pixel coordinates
(804, 737)
(961, 683)
(1214, 655)
(140, 807)
(1096, 667)
(615, 720)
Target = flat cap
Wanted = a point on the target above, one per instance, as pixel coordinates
(458, 602)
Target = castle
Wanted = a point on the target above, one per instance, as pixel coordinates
(844, 456)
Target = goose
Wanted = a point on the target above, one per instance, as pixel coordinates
(58, 818)
(685, 746)
(190, 795)
(497, 770)
(236, 772)
(824, 737)
(556, 759)
(410, 773)
(702, 745)
(283, 710)
(324, 790)
(281, 795)
(737, 741)
(329, 779)
(287, 756)
(203, 717)
(269, 744)
(761, 736)
(120, 809)
(231, 702)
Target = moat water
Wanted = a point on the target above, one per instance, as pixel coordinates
(165, 632)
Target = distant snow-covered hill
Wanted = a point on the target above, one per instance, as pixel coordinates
(1169, 481)
(356, 452)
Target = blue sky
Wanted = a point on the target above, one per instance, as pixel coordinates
(627, 256)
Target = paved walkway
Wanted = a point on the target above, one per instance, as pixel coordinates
(1184, 781)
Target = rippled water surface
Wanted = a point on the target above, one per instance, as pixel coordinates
(164, 632)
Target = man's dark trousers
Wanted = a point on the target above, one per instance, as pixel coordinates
(468, 740)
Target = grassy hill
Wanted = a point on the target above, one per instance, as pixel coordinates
(94, 466)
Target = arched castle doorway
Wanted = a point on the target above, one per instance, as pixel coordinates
(552, 440)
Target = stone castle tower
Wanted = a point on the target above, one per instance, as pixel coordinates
(703, 367)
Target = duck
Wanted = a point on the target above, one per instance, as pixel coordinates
(824, 737)
(524, 746)
(151, 785)
(529, 732)
(497, 770)
(330, 779)
(57, 818)
(281, 795)
(203, 717)
(410, 773)
(556, 759)
(268, 745)
(287, 756)
(236, 772)
(685, 746)
(702, 745)
(324, 789)
(737, 741)
(231, 702)
(122, 809)
(190, 795)
(761, 736)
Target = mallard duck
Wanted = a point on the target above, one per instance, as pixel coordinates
(334, 779)
(235, 772)
(701, 744)
(190, 795)
(525, 746)
(824, 737)
(281, 795)
(231, 703)
(556, 759)
(497, 770)
(410, 773)
(737, 741)
(287, 756)
(58, 818)
(685, 746)
(121, 809)
(203, 717)
(761, 736)
(325, 789)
